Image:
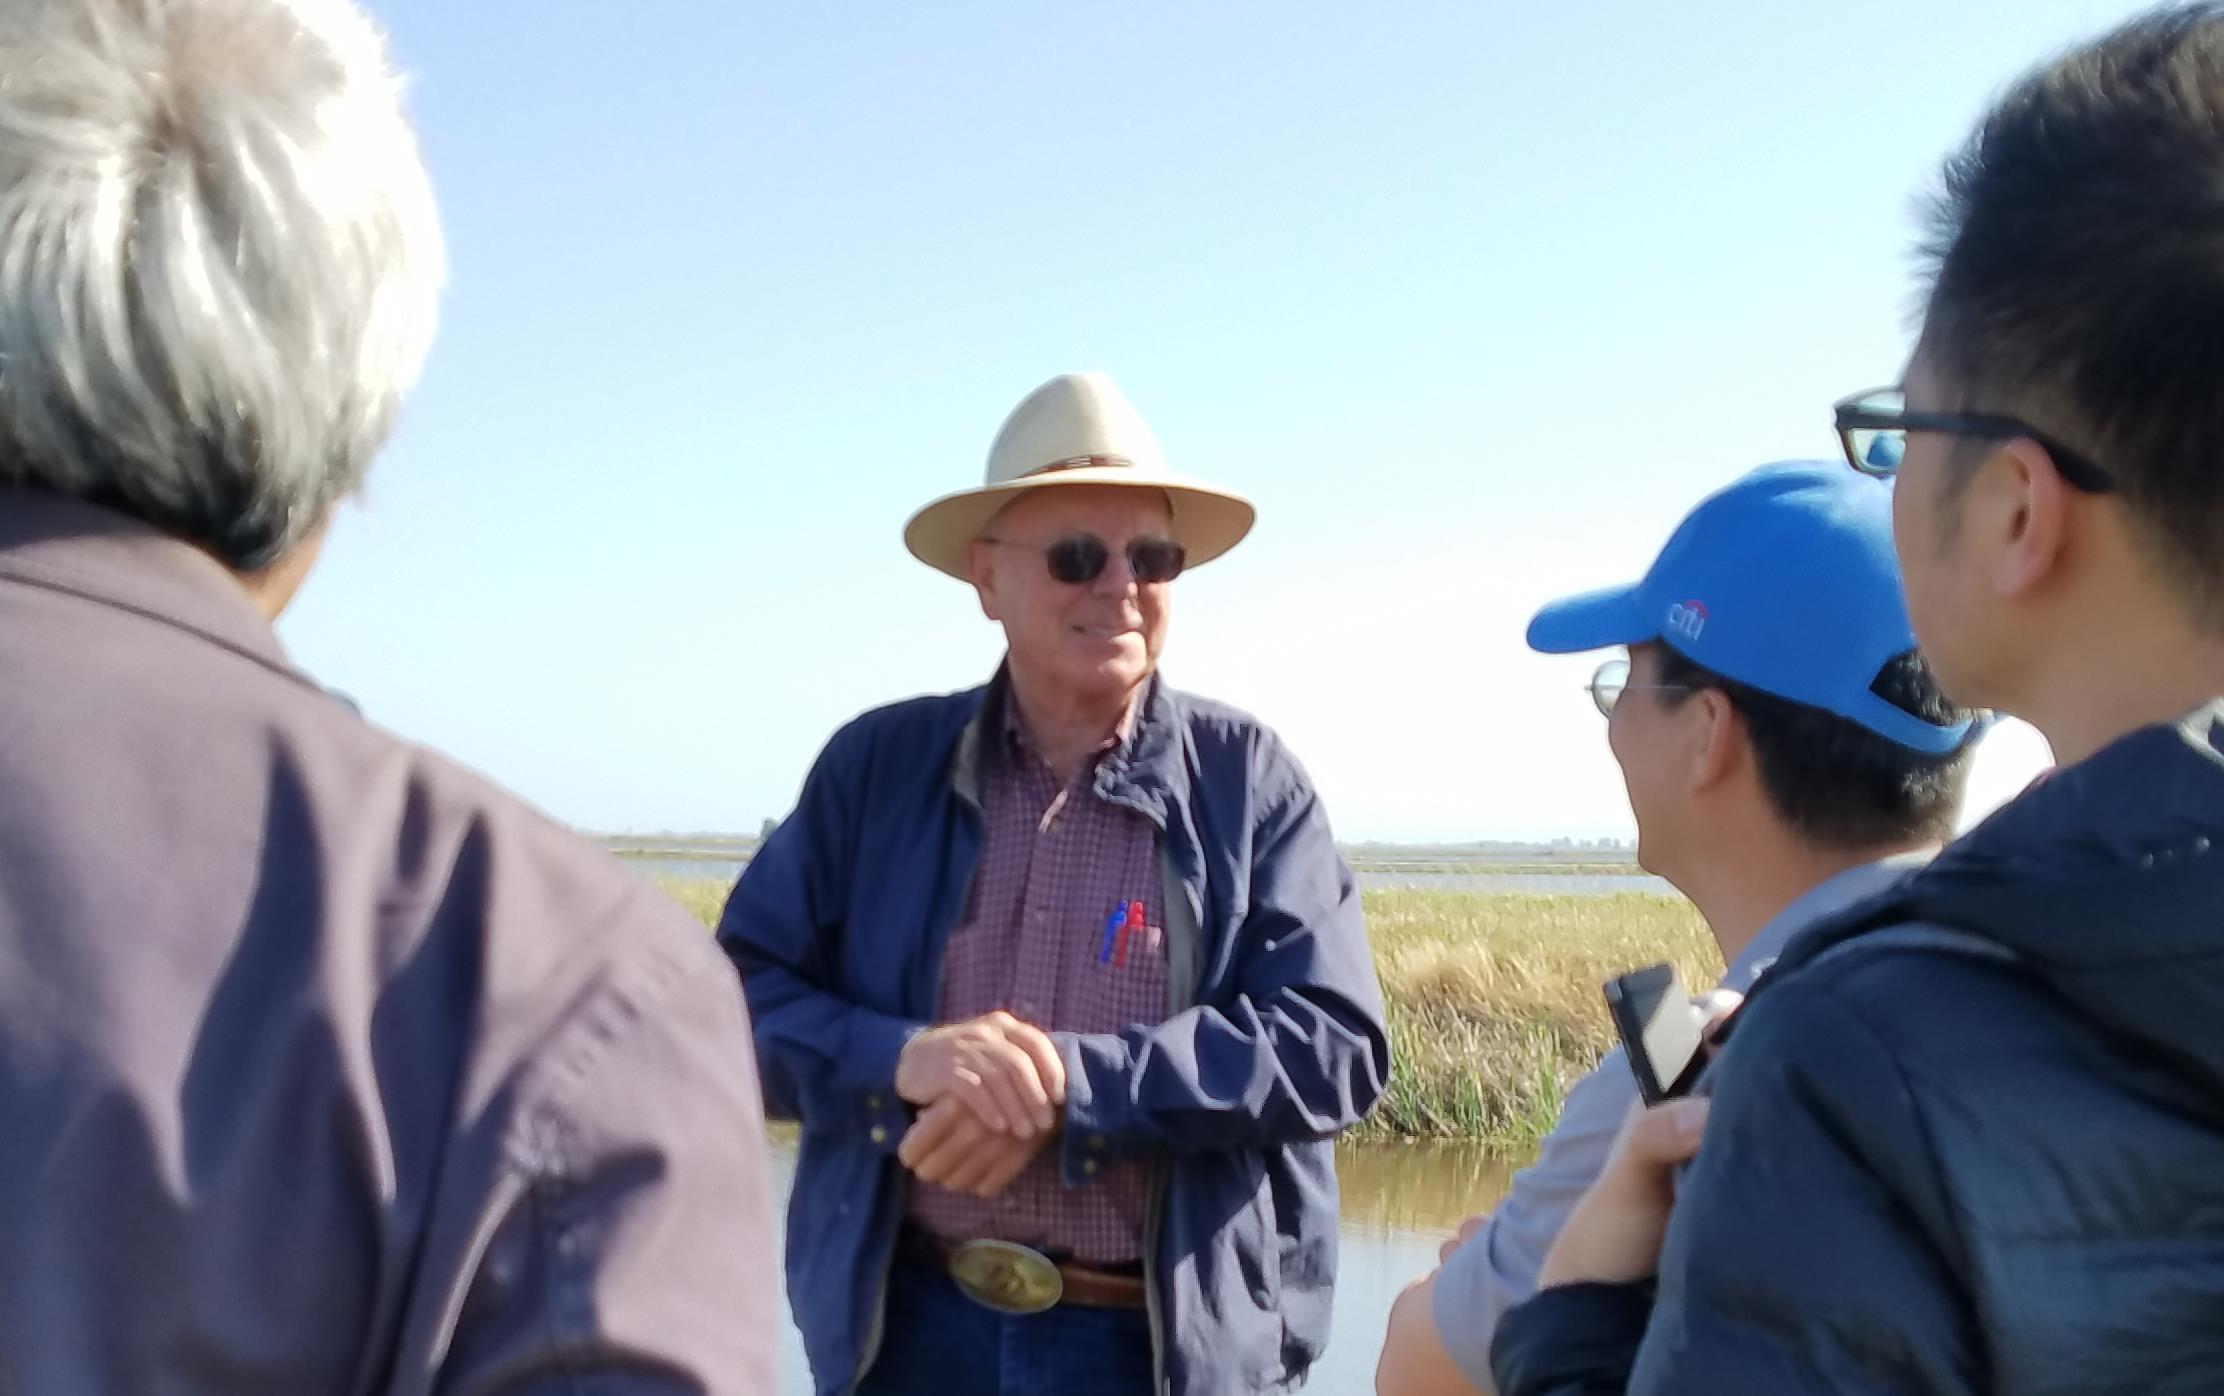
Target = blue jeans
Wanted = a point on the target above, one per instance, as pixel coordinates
(937, 1342)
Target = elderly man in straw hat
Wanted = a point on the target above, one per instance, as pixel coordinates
(1062, 975)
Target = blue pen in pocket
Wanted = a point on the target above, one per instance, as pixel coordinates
(1112, 926)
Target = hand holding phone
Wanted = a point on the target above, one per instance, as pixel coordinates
(1660, 1030)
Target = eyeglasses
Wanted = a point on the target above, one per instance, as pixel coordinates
(1080, 559)
(1873, 427)
(1612, 681)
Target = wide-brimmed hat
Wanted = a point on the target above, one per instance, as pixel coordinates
(1077, 429)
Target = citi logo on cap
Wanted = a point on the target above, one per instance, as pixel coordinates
(1688, 619)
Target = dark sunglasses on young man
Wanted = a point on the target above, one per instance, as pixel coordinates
(1873, 428)
(1082, 557)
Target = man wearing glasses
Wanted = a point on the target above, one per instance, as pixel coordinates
(1983, 1156)
(1786, 753)
(1063, 975)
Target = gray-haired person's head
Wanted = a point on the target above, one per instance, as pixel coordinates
(219, 260)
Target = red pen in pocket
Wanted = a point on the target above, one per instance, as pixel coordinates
(1133, 930)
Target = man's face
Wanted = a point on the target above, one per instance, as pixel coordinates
(1649, 733)
(1956, 621)
(1088, 641)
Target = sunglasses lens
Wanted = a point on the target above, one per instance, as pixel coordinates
(1607, 685)
(1877, 450)
(1155, 560)
(1074, 561)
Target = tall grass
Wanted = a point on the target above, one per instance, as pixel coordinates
(1493, 1000)
(704, 897)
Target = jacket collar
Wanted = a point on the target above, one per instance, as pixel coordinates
(2113, 835)
(114, 560)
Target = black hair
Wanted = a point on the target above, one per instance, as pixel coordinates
(1836, 783)
(2076, 258)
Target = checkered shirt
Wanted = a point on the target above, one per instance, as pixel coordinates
(1056, 860)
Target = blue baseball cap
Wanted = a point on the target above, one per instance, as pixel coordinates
(1785, 582)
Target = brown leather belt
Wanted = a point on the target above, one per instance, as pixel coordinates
(1089, 1286)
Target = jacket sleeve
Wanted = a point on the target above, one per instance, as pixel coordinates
(823, 1060)
(1814, 1246)
(1497, 1268)
(1297, 1052)
(1571, 1340)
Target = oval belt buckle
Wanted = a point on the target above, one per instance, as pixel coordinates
(1007, 1277)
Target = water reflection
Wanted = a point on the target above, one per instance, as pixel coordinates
(1419, 1187)
(1400, 1200)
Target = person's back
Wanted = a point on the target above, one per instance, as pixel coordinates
(2022, 1048)
(325, 1066)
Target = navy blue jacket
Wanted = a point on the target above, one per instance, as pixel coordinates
(1275, 1040)
(1933, 1171)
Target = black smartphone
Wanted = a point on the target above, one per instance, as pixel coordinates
(1659, 1029)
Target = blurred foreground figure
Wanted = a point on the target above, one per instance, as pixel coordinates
(325, 1066)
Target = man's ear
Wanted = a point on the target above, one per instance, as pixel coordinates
(1718, 738)
(2023, 505)
(980, 570)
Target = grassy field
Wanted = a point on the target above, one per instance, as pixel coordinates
(704, 897)
(1493, 1000)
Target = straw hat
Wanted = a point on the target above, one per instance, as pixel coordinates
(1077, 429)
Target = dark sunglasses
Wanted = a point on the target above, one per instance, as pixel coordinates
(1081, 558)
(1873, 427)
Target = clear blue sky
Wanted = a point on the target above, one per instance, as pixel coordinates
(1474, 299)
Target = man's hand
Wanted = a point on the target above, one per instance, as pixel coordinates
(1461, 1237)
(949, 1146)
(1008, 1073)
(1613, 1236)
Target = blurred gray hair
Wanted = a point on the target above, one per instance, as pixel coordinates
(219, 260)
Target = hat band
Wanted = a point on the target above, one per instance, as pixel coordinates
(1080, 463)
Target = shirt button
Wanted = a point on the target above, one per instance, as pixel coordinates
(1089, 1166)
(880, 1134)
(1096, 1142)
(872, 1102)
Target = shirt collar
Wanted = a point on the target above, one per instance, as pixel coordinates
(1825, 898)
(1016, 742)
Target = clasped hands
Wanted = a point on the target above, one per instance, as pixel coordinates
(989, 1092)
